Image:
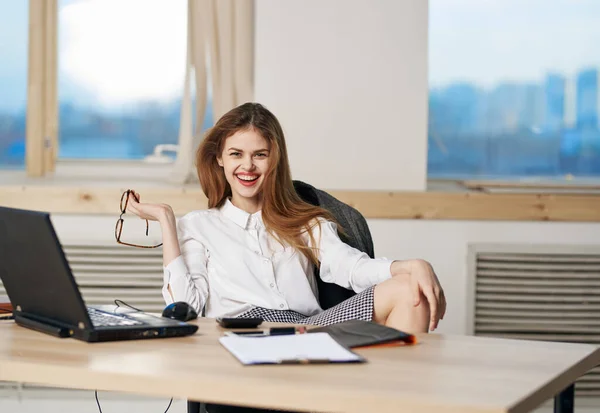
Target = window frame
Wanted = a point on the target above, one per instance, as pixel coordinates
(42, 115)
(41, 130)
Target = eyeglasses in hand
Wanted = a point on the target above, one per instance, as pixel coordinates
(120, 221)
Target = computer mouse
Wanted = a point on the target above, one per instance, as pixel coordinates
(180, 310)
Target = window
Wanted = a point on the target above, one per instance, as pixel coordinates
(121, 67)
(514, 89)
(13, 83)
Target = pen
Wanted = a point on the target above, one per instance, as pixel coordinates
(273, 331)
(281, 331)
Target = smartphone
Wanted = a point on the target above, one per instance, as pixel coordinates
(226, 322)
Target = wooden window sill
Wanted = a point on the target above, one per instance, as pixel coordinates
(434, 204)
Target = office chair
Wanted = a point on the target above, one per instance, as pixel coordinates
(356, 234)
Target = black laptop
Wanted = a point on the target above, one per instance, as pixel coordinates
(45, 296)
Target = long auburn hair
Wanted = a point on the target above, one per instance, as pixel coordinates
(286, 216)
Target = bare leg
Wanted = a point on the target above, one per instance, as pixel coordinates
(394, 306)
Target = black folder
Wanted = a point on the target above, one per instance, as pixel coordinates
(358, 333)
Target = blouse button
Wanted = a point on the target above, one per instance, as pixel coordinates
(272, 285)
(281, 306)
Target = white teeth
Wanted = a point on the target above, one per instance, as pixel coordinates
(247, 178)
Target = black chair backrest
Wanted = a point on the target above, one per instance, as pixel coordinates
(356, 234)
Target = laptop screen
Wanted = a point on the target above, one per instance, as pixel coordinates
(34, 270)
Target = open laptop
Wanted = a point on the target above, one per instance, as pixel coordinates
(45, 296)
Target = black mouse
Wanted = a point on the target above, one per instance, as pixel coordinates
(180, 310)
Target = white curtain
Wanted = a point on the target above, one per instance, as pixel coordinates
(220, 40)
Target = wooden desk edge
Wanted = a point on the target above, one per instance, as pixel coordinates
(558, 384)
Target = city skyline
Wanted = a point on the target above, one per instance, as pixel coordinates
(546, 128)
(555, 102)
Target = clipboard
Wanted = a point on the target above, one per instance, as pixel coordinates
(317, 348)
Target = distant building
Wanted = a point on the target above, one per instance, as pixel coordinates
(587, 99)
(532, 112)
(554, 108)
(455, 109)
(513, 107)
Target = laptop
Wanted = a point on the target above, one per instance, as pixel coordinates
(45, 296)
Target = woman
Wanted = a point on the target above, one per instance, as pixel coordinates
(251, 253)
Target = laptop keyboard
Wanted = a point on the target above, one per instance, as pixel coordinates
(103, 319)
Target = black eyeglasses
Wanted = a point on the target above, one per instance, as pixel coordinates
(120, 221)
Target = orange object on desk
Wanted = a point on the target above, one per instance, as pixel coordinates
(5, 305)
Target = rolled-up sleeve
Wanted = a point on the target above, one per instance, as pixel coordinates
(344, 265)
(187, 274)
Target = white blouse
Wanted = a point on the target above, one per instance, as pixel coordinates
(230, 263)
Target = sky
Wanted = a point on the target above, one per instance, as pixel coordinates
(112, 59)
(492, 41)
(136, 54)
(13, 54)
(106, 59)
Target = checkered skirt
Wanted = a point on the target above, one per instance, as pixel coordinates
(357, 307)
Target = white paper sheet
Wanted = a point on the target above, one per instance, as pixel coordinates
(296, 348)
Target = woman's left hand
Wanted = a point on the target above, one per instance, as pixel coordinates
(151, 212)
(425, 282)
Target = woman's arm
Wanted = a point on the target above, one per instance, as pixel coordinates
(344, 265)
(165, 216)
(185, 275)
(171, 250)
(351, 268)
(168, 225)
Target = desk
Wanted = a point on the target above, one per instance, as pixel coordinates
(443, 373)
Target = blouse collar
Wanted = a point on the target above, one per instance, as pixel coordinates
(241, 217)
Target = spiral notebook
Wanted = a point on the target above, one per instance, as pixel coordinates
(289, 349)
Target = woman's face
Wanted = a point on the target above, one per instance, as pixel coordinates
(245, 160)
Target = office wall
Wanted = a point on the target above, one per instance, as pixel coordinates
(348, 81)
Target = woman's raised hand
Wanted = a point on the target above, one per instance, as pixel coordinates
(151, 212)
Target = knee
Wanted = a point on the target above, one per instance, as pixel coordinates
(399, 292)
(396, 305)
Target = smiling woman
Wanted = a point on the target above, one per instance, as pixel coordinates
(251, 254)
(245, 161)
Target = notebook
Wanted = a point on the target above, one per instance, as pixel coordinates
(289, 349)
(45, 296)
(358, 333)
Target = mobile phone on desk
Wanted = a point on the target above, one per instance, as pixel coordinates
(227, 322)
